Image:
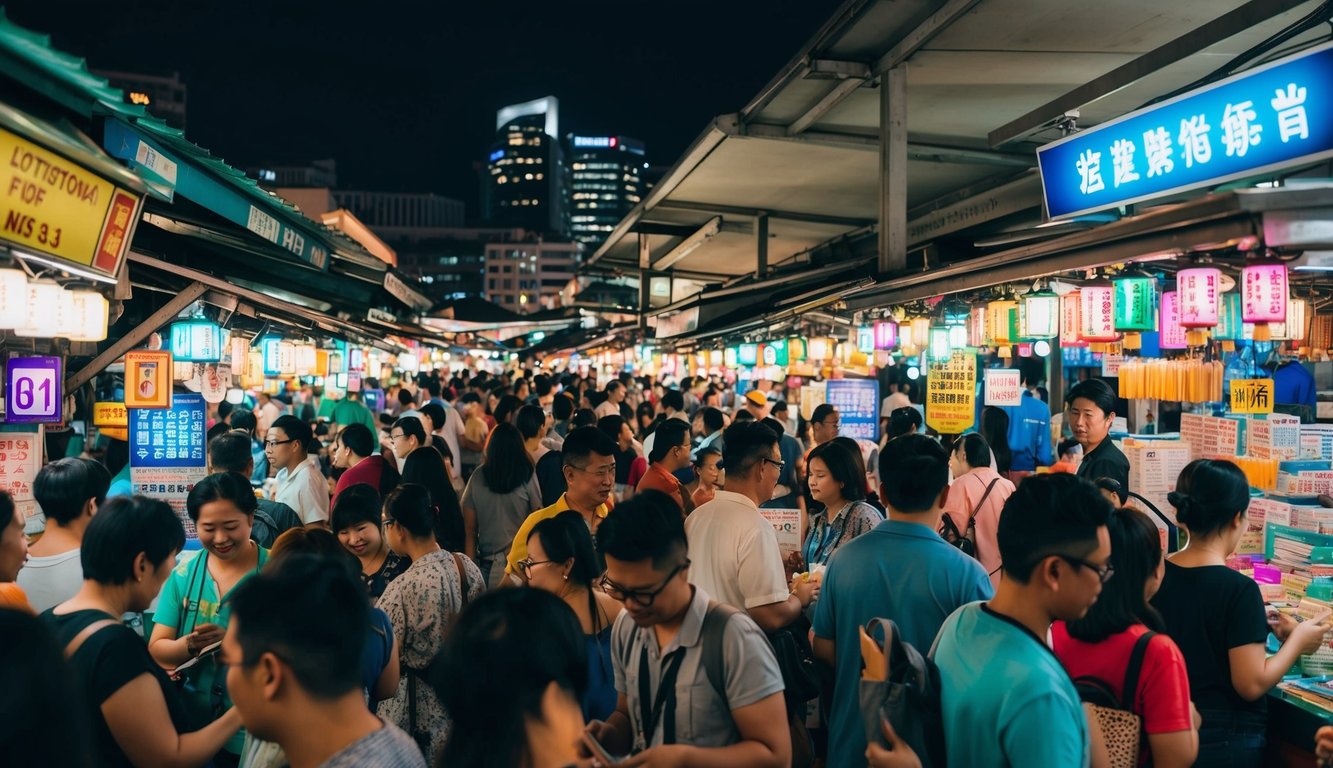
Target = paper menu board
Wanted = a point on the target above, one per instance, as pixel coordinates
(1210, 435)
(21, 447)
(787, 525)
(1274, 437)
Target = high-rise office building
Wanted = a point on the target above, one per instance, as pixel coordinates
(524, 182)
(605, 182)
(163, 96)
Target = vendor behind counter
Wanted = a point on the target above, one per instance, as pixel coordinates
(1091, 407)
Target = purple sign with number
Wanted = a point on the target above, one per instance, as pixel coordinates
(32, 390)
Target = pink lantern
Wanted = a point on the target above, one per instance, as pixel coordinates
(886, 334)
(1173, 333)
(1098, 305)
(1071, 319)
(1198, 294)
(1264, 293)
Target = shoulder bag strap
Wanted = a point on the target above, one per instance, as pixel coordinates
(462, 578)
(85, 633)
(972, 519)
(1128, 693)
(710, 642)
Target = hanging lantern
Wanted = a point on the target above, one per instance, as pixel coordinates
(748, 354)
(940, 348)
(1041, 315)
(716, 358)
(976, 327)
(796, 349)
(886, 334)
(865, 339)
(1135, 304)
(13, 298)
(196, 341)
(47, 305)
(1198, 292)
(1264, 293)
(1098, 314)
(1002, 322)
(1229, 322)
(920, 332)
(730, 355)
(306, 359)
(957, 336)
(1173, 334)
(286, 358)
(271, 347)
(1071, 319)
(90, 316)
(819, 349)
(780, 354)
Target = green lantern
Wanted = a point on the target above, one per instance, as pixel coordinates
(1136, 304)
(796, 349)
(1230, 325)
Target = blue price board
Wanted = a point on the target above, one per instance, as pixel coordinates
(172, 437)
(1275, 116)
(32, 390)
(857, 401)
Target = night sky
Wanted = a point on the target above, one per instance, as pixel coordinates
(403, 94)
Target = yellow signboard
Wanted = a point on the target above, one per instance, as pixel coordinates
(951, 393)
(110, 414)
(53, 206)
(148, 379)
(1251, 395)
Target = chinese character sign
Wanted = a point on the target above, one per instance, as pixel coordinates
(169, 437)
(1004, 387)
(951, 393)
(1251, 395)
(857, 401)
(1279, 115)
(20, 459)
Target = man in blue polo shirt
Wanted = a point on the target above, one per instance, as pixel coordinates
(900, 570)
(1006, 699)
(1029, 426)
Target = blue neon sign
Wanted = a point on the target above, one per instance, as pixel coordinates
(1275, 116)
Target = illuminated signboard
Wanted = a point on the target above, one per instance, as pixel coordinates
(497, 154)
(595, 142)
(1276, 116)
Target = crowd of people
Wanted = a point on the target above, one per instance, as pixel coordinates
(526, 570)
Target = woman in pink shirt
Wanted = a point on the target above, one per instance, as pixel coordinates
(977, 490)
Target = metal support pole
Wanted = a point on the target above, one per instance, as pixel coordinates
(761, 246)
(645, 301)
(893, 170)
(136, 336)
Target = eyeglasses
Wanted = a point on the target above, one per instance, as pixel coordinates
(640, 597)
(778, 464)
(603, 471)
(1104, 572)
(398, 436)
(527, 563)
(388, 521)
(276, 443)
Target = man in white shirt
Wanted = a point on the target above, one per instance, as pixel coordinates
(734, 549)
(68, 491)
(300, 483)
(435, 420)
(266, 412)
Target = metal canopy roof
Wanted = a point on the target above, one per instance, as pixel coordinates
(987, 80)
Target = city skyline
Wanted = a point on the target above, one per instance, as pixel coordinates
(406, 101)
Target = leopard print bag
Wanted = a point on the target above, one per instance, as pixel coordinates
(1120, 726)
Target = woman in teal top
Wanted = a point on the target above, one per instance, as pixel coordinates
(192, 609)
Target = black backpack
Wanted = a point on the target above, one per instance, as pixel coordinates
(909, 699)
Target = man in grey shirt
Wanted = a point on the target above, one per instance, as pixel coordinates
(670, 708)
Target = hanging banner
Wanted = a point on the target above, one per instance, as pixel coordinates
(857, 401)
(1004, 387)
(812, 396)
(1251, 395)
(167, 454)
(32, 390)
(20, 459)
(951, 393)
(55, 207)
(148, 379)
(1279, 115)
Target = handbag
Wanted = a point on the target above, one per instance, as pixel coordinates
(1121, 727)
(965, 540)
(901, 685)
(427, 672)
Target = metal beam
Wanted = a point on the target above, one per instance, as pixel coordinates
(912, 42)
(687, 246)
(645, 251)
(760, 246)
(1227, 25)
(892, 245)
(827, 102)
(733, 210)
(136, 336)
(940, 153)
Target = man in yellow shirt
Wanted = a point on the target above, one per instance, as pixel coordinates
(590, 475)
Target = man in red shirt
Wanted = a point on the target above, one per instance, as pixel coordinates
(354, 451)
(670, 454)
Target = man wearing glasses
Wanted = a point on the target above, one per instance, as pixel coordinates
(300, 484)
(671, 709)
(1006, 699)
(590, 476)
(736, 556)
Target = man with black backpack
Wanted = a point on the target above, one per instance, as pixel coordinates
(693, 676)
(900, 570)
